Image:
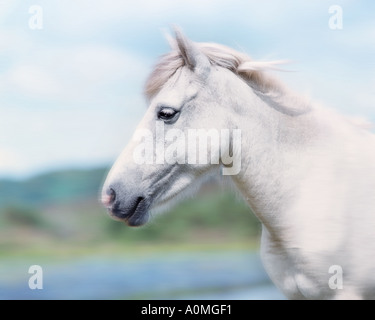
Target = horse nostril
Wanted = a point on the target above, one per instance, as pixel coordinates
(109, 198)
(112, 194)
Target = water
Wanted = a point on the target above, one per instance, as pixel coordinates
(203, 275)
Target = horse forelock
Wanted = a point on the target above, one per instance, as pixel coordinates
(239, 63)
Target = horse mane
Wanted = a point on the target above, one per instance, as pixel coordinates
(239, 63)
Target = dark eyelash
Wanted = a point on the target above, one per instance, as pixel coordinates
(166, 113)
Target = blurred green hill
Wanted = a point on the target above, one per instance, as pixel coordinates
(52, 188)
(62, 207)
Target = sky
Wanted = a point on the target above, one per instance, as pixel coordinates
(71, 91)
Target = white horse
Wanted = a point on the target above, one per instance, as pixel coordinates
(308, 173)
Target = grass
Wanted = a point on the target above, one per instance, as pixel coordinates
(55, 251)
(55, 224)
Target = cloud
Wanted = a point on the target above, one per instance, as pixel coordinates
(71, 92)
(6, 6)
(358, 35)
(32, 80)
(97, 64)
(75, 72)
(67, 104)
(8, 158)
(98, 73)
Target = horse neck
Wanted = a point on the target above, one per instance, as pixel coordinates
(272, 142)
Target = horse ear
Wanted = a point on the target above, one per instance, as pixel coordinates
(170, 39)
(194, 59)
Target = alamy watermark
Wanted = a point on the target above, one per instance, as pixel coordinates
(336, 282)
(36, 280)
(36, 20)
(335, 21)
(192, 146)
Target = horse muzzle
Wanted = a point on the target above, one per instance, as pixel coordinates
(124, 205)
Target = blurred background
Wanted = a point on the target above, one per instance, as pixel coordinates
(71, 82)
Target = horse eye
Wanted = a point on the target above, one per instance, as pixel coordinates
(166, 113)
